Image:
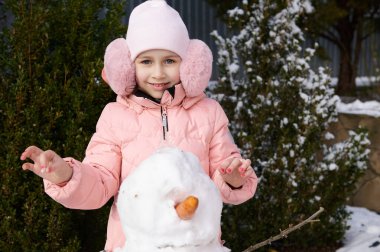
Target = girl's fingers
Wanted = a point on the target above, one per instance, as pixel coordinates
(232, 164)
(27, 166)
(42, 159)
(46, 160)
(31, 152)
(248, 172)
(33, 168)
(226, 163)
(235, 163)
(246, 163)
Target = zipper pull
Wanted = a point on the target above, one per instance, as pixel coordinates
(164, 121)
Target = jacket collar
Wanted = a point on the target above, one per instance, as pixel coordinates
(140, 93)
(140, 102)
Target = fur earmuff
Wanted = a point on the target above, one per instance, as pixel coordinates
(119, 70)
(196, 68)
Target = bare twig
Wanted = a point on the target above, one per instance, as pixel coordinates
(284, 233)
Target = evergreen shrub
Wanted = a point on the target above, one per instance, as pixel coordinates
(280, 110)
(51, 96)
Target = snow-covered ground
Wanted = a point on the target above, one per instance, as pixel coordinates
(371, 108)
(361, 81)
(364, 232)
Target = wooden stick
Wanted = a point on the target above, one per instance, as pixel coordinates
(284, 233)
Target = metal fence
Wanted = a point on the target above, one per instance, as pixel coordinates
(200, 19)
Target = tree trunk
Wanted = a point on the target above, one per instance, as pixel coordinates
(346, 28)
(347, 74)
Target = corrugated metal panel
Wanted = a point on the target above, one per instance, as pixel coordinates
(200, 19)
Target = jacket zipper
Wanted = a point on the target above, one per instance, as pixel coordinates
(165, 126)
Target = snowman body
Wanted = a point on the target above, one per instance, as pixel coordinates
(147, 199)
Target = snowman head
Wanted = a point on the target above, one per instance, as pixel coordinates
(148, 198)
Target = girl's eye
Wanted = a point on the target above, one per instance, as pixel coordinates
(169, 61)
(145, 62)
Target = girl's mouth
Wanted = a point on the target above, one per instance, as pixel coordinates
(159, 86)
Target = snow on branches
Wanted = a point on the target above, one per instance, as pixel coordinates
(280, 110)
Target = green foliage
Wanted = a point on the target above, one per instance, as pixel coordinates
(51, 96)
(222, 6)
(280, 111)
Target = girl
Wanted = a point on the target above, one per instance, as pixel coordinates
(159, 75)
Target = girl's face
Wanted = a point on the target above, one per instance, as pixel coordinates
(156, 71)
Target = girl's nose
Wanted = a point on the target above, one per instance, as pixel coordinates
(158, 72)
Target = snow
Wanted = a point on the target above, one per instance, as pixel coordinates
(361, 81)
(364, 232)
(147, 199)
(146, 206)
(371, 108)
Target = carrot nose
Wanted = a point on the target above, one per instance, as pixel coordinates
(187, 208)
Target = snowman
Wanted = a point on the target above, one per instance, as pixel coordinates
(169, 204)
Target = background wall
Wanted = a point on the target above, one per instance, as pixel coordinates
(367, 193)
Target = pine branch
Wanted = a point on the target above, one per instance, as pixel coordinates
(284, 233)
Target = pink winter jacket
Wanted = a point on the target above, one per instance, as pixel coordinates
(131, 129)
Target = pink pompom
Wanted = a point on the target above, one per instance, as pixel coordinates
(196, 68)
(119, 70)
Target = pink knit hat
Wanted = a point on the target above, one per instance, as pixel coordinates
(155, 25)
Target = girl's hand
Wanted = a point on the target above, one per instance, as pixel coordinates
(47, 164)
(235, 171)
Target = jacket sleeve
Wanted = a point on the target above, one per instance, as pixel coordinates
(222, 147)
(97, 178)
